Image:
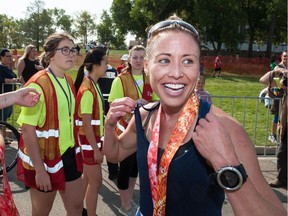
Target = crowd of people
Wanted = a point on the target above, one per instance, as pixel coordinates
(152, 117)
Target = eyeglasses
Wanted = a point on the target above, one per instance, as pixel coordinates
(167, 23)
(66, 51)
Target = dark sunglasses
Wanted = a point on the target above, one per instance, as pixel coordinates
(173, 23)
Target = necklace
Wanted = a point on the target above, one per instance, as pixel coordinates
(98, 91)
(136, 84)
(69, 99)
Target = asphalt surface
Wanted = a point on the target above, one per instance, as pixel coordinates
(109, 200)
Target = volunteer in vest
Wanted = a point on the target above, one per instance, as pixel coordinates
(190, 153)
(133, 83)
(90, 123)
(49, 155)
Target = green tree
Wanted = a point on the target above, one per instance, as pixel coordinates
(37, 25)
(219, 23)
(107, 33)
(63, 21)
(8, 29)
(85, 25)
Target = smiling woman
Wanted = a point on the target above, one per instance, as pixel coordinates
(185, 145)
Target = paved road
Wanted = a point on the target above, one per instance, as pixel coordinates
(109, 201)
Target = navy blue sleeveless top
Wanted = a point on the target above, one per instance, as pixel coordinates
(189, 190)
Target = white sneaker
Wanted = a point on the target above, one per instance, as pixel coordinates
(272, 139)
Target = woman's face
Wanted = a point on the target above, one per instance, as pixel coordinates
(200, 85)
(102, 68)
(61, 61)
(137, 59)
(33, 53)
(173, 66)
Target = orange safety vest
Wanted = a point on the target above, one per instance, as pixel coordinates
(87, 150)
(130, 90)
(48, 139)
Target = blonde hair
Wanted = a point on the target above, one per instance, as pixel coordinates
(27, 51)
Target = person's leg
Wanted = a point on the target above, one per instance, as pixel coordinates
(281, 179)
(282, 159)
(126, 167)
(72, 197)
(73, 194)
(112, 170)
(42, 202)
(94, 176)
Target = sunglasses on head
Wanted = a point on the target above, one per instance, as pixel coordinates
(171, 23)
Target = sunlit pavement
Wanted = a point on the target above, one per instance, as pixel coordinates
(109, 201)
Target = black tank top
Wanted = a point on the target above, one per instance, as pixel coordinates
(189, 189)
(29, 69)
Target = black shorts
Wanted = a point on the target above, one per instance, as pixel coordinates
(70, 166)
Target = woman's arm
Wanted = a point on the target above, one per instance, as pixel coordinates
(118, 148)
(20, 68)
(223, 142)
(23, 97)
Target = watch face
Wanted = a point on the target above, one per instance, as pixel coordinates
(229, 179)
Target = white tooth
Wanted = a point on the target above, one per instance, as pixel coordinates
(174, 86)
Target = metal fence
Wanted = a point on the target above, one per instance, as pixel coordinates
(255, 117)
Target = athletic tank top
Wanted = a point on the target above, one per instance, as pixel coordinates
(189, 189)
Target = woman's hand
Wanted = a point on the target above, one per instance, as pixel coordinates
(98, 156)
(214, 143)
(42, 180)
(118, 109)
(27, 97)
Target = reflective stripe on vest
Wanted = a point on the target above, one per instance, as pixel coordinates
(47, 134)
(87, 147)
(120, 127)
(77, 149)
(25, 158)
(93, 122)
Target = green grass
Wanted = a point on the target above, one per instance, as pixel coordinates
(222, 89)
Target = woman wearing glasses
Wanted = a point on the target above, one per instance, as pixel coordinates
(90, 123)
(49, 159)
(190, 154)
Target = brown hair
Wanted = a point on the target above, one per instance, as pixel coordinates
(50, 46)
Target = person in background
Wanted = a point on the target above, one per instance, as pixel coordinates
(124, 61)
(49, 158)
(200, 91)
(273, 63)
(265, 79)
(282, 71)
(8, 79)
(28, 64)
(190, 153)
(135, 84)
(90, 123)
(105, 86)
(217, 66)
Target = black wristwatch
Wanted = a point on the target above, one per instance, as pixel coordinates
(230, 178)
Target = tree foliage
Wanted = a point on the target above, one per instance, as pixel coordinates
(221, 23)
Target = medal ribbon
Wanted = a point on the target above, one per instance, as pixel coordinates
(158, 176)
